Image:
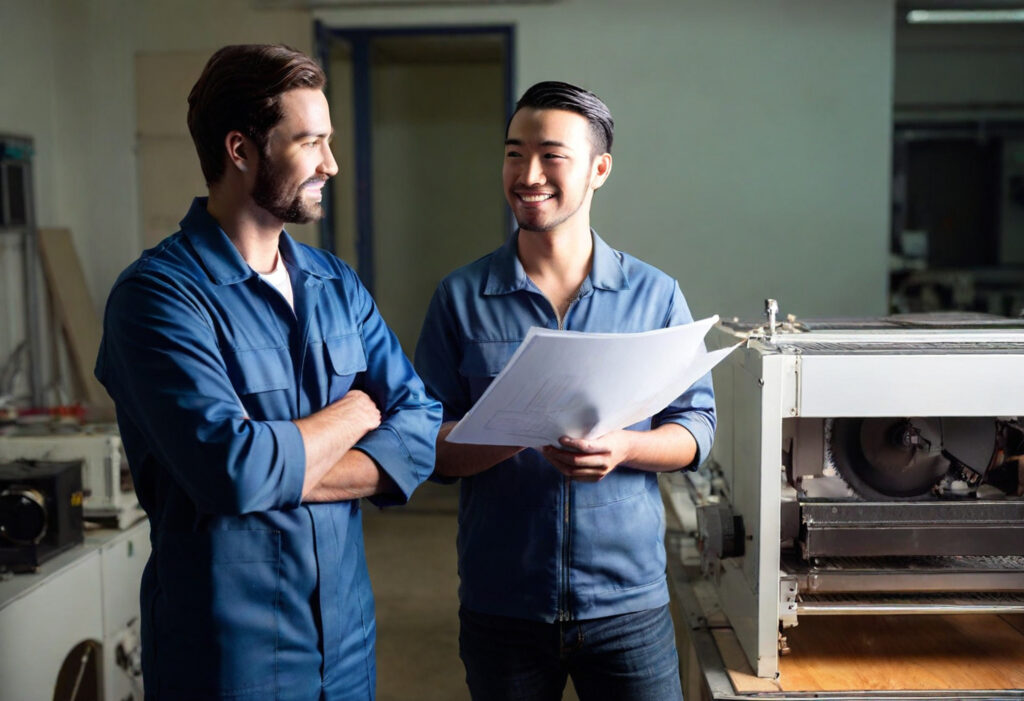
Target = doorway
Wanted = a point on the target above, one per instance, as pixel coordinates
(419, 117)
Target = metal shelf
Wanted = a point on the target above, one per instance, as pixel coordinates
(17, 218)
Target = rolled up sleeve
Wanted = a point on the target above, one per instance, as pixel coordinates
(694, 409)
(161, 363)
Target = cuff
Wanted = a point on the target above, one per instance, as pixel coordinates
(292, 452)
(701, 432)
(386, 448)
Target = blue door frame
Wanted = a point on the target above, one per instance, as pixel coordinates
(359, 39)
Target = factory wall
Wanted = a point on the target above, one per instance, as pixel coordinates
(67, 79)
(752, 140)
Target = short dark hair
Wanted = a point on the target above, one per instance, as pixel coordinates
(555, 95)
(240, 89)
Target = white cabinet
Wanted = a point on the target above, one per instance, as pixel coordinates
(89, 593)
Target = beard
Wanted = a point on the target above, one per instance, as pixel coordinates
(557, 218)
(271, 192)
(542, 226)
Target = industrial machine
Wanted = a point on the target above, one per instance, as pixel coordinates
(870, 466)
(107, 482)
(40, 512)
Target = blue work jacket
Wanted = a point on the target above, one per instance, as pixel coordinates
(250, 593)
(533, 544)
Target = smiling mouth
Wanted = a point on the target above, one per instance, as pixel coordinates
(538, 197)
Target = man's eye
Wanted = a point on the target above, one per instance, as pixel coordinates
(512, 154)
(553, 155)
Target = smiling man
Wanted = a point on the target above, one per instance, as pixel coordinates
(561, 550)
(259, 395)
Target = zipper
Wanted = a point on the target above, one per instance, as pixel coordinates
(563, 594)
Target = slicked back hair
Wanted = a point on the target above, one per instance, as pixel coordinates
(555, 95)
(240, 89)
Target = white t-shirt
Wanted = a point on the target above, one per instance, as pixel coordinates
(279, 279)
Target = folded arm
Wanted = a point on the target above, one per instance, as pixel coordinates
(381, 445)
(334, 471)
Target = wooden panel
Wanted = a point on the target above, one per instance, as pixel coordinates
(82, 329)
(740, 674)
(903, 652)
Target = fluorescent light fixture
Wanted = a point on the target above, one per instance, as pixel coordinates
(964, 16)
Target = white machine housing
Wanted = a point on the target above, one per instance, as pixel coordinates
(109, 493)
(792, 373)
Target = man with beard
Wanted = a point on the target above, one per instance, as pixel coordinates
(561, 551)
(259, 396)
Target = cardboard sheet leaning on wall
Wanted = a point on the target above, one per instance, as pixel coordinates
(79, 321)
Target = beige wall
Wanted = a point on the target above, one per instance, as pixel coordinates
(168, 167)
(75, 92)
(752, 138)
(752, 148)
(437, 145)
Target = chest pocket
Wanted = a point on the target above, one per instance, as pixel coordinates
(482, 361)
(259, 369)
(262, 378)
(345, 358)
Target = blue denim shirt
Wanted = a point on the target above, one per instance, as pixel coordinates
(249, 593)
(531, 543)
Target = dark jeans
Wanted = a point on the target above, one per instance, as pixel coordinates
(631, 657)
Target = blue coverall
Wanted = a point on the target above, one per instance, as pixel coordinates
(250, 593)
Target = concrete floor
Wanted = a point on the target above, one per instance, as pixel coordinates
(411, 556)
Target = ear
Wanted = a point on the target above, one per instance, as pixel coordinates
(241, 151)
(602, 168)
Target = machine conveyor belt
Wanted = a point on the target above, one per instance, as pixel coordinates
(911, 528)
(892, 575)
(918, 603)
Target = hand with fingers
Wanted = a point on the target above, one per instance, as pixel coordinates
(589, 460)
(356, 412)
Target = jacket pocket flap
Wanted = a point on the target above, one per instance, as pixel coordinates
(346, 354)
(487, 358)
(259, 369)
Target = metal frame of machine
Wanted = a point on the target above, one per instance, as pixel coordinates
(775, 393)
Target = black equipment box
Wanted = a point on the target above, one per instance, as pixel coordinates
(40, 512)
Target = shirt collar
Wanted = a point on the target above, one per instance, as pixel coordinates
(506, 273)
(222, 260)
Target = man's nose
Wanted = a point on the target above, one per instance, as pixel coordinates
(329, 166)
(533, 174)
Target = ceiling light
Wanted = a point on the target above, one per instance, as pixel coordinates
(964, 16)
